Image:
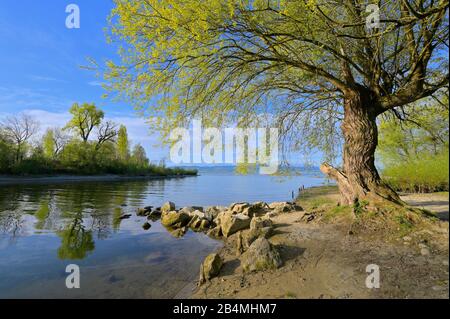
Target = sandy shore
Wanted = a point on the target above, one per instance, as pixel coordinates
(17, 180)
(323, 260)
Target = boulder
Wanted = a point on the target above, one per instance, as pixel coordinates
(255, 208)
(284, 207)
(191, 209)
(144, 211)
(210, 267)
(231, 223)
(212, 212)
(215, 232)
(175, 219)
(261, 255)
(238, 208)
(177, 232)
(146, 226)
(187, 210)
(167, 207)
(253, 234)
(198, 224)
(154, 216)
(195, 223)
(259, 227)
(220, 216)
(198, 213)
(260, 222)
(204, 225)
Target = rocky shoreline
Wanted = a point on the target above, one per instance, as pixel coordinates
(283, 250)
(250, 223)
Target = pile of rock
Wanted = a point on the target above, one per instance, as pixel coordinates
(250, 223)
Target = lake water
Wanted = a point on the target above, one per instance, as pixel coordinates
(44, 228)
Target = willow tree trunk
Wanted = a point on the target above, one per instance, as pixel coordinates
(359, 179)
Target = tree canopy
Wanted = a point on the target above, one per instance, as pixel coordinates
(218, 58)
(310, 64)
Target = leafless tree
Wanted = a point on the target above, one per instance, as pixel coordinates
(18, 129)
(107, 131)
(60, 140)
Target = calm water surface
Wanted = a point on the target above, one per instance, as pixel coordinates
(43, 228)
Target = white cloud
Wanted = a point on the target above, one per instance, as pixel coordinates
(43, 78)
(14, 99)
(95, 83)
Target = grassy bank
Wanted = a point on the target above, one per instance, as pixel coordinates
(420, 175)
(390, 221)
(36, 167)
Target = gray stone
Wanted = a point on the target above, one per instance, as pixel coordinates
(238, 208)
(167, 207)
(198, 213)
(260, 222)
(261, 255)
(146, 226)
(425, 251)
(175, 219)
(231, 224)
(215, 232)
(284, 207)
(210, 267)
(187, 210)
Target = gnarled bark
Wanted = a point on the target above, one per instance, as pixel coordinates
(359, 178)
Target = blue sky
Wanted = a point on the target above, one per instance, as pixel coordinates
(41, 64)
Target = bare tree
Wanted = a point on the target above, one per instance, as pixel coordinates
(18, 129)
(107, 131)
(60, 140)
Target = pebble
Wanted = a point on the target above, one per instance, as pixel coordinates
(438, 288)
(424, 251)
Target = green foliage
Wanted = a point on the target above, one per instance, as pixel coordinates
(430, 173)
(415, 153)
(84, 119)
(360, 207)
(6, 154)
(57, 154)
(123, 147)
(138, 156)
(232, 61)
(76, 242)
(48, 143)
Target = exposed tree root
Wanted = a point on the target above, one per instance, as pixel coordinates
(355, 189)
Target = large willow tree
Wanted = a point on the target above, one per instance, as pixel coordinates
(312, 64)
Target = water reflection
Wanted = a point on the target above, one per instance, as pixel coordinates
(76, 241)
(45, 227)
(75, 213)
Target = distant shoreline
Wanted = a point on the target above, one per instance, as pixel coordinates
(6, 180)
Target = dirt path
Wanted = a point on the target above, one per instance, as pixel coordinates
(325, 261)
(435, 202)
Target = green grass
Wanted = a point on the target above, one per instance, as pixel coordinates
(422, 175)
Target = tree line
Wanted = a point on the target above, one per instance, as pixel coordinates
(87, 144)
(414, 146)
